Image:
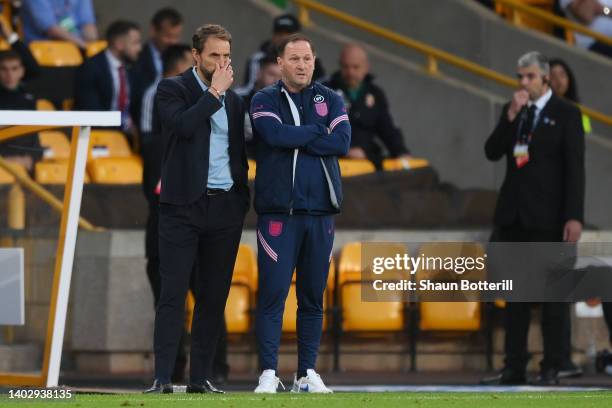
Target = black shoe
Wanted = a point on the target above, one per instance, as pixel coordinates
(159, 388)
(602, 360)
(507, 376)
(546, 378)
(207, 387)
(569, 370)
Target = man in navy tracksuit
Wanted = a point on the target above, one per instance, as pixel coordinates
(299, 128)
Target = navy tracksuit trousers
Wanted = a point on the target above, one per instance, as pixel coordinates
(284, 243)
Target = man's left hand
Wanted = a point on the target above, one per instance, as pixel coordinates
(572, 231)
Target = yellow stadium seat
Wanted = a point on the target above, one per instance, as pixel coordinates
(108, 143)
(56, 53)
(53, 172)
(500, 304)
(44, 105)
(252, 169)
(240, 301)
(95, 47)
(245, 269)
(404, 164)
(465, 315)
(4, 45)
(355, 167)
(522, 19)
(460, 316)
(55, 143)
(189, 306)
(115, 170)
(359, 316)
(67, 104)
(290, 313)
(241, 298)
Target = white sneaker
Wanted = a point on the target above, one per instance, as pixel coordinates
(268, 382)
(311, 383)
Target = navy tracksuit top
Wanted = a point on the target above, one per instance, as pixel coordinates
(306, 182)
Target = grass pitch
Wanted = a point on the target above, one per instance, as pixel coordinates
(353, 400)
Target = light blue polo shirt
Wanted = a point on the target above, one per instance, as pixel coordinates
(219, 174)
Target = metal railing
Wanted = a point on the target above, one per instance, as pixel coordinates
(434, 55)
(31, 185)
(567, 25)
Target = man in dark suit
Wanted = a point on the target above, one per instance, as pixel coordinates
(166, 30)
(368, 109)
(541, 200)
(204, 198)
(107, 82)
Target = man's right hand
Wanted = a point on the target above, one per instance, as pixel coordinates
(356, 153)
(519, 99)
(222, 78)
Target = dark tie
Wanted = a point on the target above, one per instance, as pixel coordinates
(527, 126)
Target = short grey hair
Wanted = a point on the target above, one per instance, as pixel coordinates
(535, 58)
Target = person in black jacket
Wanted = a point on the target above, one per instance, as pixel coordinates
(204, 199)
(166, 30)
(17, 65)
(282, 27)
(541, 200)
(107, 80)
(368, 109)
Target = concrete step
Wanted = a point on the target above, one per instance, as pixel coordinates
(20, 357)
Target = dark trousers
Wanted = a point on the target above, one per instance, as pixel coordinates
(220, 365)
(601, 48)
(208, 230)
(286, 243)
(555, 315)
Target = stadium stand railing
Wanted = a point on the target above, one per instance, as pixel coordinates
(524, 14)
(435, 55)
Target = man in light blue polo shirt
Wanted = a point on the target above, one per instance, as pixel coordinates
(219, 175)
(67, 20)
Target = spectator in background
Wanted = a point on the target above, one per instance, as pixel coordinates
(283, 26)
(107, 82)
(528, 206)
(563, 84)
(67, 20)
(17, 65)
(31, 68)
(269, 73)
(166, 30)
(596, 15)
(367, 107)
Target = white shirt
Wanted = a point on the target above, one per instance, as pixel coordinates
(600, 24)
(114, 65)
(540, 104)
(146, 117)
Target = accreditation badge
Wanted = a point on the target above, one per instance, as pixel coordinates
(521, 154)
